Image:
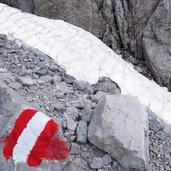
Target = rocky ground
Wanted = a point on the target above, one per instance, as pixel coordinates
(38, 79)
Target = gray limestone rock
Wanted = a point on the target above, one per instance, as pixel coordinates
(106, 159)
(42, 71)
(15, 86)
(75, 148)
(155, 123)
(86, 114)
(46, 79)
(157, 43)
(82, 132)
(69, 167)
(97, 163)
(59, 107)
(106, 85)
(25, 81)
(71, 124)
(8, 102)
(78, 103)
(119, 126)
(72, 112)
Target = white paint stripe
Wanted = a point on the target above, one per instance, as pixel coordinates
(29, 137)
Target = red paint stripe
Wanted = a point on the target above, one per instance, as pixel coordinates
(48, 147)
(19, 126)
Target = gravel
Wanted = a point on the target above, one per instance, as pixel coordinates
(41, 81)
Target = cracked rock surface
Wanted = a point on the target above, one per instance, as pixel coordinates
(157, 43)
(119, 126)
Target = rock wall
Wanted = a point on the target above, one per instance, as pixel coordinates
(118, 23)
(157, 43)
(138, 28)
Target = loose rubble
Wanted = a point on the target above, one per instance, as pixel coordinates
(47, 87)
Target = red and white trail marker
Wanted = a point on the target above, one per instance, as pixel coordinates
(32, 140)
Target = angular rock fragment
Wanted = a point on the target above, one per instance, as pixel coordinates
(82, 132)
(106, 85)
(97, 163)
(72, 112)
(25, 81)
(75, 148)
(106, 159)
(78, 103)
(119, 127)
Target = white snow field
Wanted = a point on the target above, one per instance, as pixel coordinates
(83, 56)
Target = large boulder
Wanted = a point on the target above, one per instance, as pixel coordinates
(119, 127)
(157, 43)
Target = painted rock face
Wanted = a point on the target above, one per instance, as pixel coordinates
(33, 139)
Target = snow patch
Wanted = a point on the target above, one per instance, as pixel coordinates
(83, 56)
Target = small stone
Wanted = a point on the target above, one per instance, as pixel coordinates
(161, 135)
(82, 132)
(154, 150)
(99, 95)
(106, 85)
(78, 85)
(29, 99)
(72, 137)
(154, 123)
(167, 156)
(57, 78)
(30, 66)
(53, 67)
(67, 80)
(63, 87)
(41, 82)
(71, 124)
(75, 148)
(26, 81)
(106, 159)
(42, 71)
(97, 163)
(60, 95)
(15, 86)
(62, 70)
(72, 112)
(47, 78)
(93, 105)
(77, 103)
(168, 149)
(86, 114)
(59, 107)
(69, 167)
(169, 161)
(24, 73)
(35, 76)
(116, 166)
